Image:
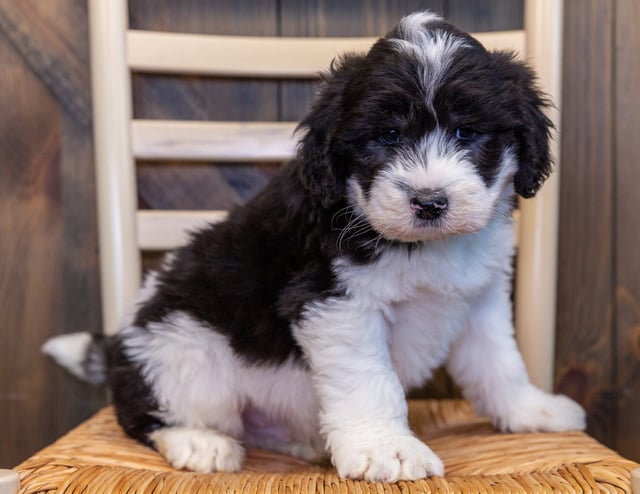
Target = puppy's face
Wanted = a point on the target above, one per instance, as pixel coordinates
(425, 133)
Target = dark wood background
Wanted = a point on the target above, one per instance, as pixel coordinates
(48, 243)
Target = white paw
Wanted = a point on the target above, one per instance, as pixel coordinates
(386, 459)
(537, 411)
(198, 450)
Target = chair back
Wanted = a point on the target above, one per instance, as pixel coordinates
(120, 140)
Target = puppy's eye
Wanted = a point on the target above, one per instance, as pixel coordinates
(465, 133)
(390, 137)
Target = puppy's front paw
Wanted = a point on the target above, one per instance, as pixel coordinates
(386, 459)
(202, 451)
(537, 411)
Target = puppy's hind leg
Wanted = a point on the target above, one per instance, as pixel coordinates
(199, 450)
(203, 446)
(192, 377)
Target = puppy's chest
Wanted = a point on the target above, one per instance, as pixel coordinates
(455, 269)
(428, 297)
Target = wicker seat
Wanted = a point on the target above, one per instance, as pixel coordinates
(98, 457)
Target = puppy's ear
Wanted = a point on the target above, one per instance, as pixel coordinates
(322, 171)
(532, 127)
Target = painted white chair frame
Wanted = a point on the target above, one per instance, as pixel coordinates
(119, 140)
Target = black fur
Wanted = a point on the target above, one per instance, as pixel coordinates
(250, 276)
(134, 401)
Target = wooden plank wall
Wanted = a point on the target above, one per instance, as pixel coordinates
(48, 242)
(627, 226)
(598, 326)
(585, 315)
(48, 247)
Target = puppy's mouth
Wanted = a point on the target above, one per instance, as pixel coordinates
(402, 214)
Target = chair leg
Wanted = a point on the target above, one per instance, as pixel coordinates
(9, 482)
(635, 481)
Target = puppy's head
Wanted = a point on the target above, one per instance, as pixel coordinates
(427, 134)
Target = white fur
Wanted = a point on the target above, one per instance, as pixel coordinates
(486, 363)
(396, 324)
(69, 350)
(364, 414)
(402, 316)
(434, 49)
(200, 450)
(201, 384)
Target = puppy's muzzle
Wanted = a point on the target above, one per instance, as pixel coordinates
(429, 204)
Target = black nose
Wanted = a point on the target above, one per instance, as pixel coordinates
(429, 205)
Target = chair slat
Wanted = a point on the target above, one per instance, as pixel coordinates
(241, 56)
(213, 141)
(165, 230)
(260, 57)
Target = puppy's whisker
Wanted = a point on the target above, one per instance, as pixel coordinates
(355, 227)
(376, 247)
(348, 210)
(376, 240)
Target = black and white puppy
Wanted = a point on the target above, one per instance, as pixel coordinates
(381, 252)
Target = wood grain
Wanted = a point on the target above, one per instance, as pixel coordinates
(34, 30)
(48, 270)
(584, 354)
(486, 15)
(29, 220)
(245, 17)
(627, 227)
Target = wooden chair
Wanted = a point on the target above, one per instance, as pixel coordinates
(97, 455)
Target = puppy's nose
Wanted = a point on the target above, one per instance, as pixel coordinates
(429, 204)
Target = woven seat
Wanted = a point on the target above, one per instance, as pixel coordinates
(98, 457)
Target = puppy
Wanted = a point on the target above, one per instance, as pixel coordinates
(381, 252)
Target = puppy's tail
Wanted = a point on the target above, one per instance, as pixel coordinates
(82, 354)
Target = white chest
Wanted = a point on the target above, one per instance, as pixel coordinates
(456, 267)
(426, 295)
